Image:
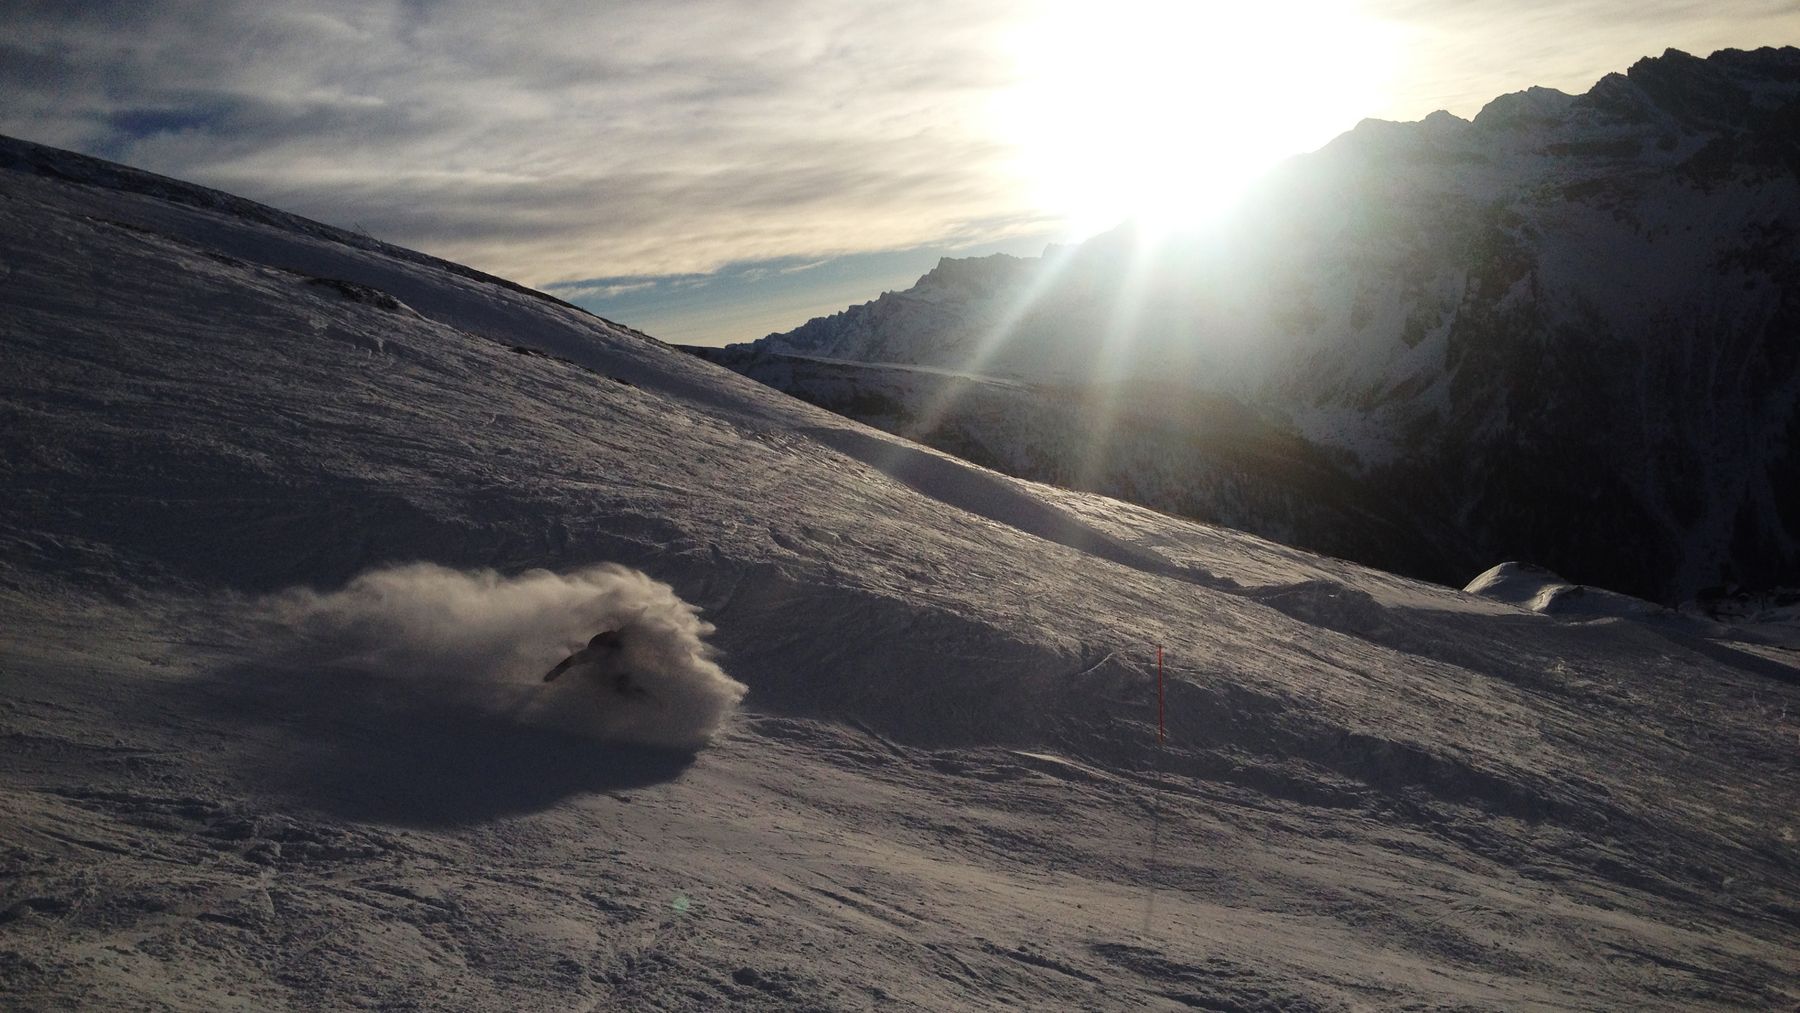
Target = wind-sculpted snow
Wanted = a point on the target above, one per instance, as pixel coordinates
(1540, 590)
(488, 639)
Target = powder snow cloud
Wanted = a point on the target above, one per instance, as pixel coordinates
(486, 640)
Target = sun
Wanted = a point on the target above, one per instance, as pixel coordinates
(1165, 111)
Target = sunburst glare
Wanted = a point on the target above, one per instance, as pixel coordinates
(1165, 111)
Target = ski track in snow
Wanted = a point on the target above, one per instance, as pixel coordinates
(945, 791)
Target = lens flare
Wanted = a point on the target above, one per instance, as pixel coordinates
(1166, 111)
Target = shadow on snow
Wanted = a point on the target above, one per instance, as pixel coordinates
(380, 750)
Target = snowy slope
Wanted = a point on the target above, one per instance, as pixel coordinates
(1198, 455)
(1567, 320)
(944, 789)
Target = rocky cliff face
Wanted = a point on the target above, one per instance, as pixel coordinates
(1567, 330)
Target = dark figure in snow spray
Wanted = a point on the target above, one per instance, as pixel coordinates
(604, 655)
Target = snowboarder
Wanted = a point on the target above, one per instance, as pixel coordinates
(605, 656)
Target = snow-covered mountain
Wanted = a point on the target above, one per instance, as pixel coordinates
(294, 522)
(1565, 330)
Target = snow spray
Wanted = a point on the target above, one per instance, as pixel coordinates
(486, 639)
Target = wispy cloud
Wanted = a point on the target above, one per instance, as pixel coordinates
(555, 140)
(577, 291)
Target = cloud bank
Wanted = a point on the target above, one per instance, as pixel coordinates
(486, 640)
(561, 141)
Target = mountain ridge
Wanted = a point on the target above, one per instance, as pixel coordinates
(1570, 320)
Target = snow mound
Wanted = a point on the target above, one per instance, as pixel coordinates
(1540, 590)
(488, 639)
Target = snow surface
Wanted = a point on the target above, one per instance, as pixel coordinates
(1540, 590)
(944, 788)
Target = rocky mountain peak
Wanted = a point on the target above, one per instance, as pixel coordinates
(1522, 109)
(1730, 90)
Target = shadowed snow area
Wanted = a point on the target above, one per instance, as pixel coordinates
(296, 523)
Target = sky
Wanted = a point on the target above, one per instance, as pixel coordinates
(714, 171)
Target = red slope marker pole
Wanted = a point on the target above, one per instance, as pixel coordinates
(1160, 733)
